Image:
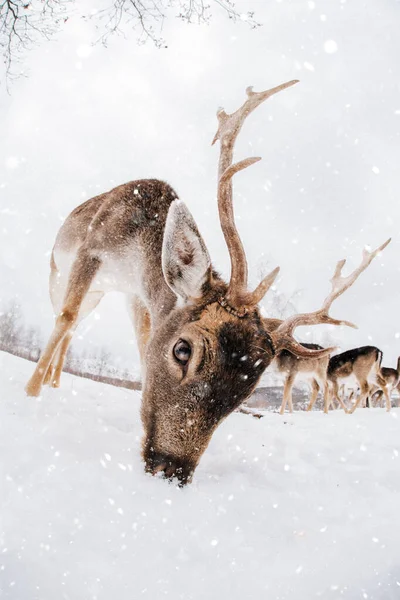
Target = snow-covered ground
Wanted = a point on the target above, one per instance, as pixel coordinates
(301, 507)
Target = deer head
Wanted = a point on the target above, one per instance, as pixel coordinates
(206, 355)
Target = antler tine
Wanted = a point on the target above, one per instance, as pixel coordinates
(231, 124)
(237, 254)
(255, 297)
(282, 336)
(341, 284)
(228, 129)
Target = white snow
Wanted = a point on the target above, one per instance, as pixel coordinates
(330, 46)
(295, 507)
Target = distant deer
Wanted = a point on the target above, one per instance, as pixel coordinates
(202, 342)
(312, 369)
(392, 380)
(361, 366)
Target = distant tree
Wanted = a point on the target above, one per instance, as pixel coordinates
(24, 23)
(126, 374)
(11, 326)
(277, 303)
(32, 342)
(103, 361)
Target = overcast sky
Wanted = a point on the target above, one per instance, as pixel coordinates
(89, 118)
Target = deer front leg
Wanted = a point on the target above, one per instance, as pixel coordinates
(82, 273)
(287, 393)
(384, 387)
(364, 390)
(387, 398)
(327, 398)
(314, 394)
(60, 359)
(335, 395)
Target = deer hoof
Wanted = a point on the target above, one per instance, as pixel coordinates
(32, 389)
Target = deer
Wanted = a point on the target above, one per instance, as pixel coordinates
(202, 341)
(313, 369)
(361, 366)
(391, 378)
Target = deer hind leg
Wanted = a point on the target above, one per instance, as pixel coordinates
(384, 387)
(314, 394)
(89, 303)
(364, 391)
(80, 279)
(335, 394)
(287, 394)
(377, 397)
(327, 397)
(141, 321)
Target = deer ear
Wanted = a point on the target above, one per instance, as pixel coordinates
(185, 260)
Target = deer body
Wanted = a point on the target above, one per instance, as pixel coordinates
(202, 341)
(361, 366)
(391, 377)
(294, 368)
(113, 243)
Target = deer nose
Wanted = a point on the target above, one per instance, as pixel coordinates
(170, 467)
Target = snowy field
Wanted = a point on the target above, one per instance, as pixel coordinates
(301, 507)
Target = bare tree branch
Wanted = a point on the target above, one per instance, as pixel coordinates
(26, 23)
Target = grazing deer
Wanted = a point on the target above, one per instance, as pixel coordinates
(392, 380)
(295, 367)
(202, 342)
(361, 366)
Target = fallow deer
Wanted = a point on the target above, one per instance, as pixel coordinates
(202, 342)
(392, 380)
(361, 366)
(292, 366)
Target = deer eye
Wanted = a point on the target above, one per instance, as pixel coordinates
(182, 352)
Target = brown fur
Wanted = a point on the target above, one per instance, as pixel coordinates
(391, 377)
(291, 365)
(364, 364)
(314, 368)
(180, 410)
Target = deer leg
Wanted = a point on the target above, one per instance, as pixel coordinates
(384, 387)
(60, 358)
(89, 303)
(49, 374)
(387, 399)
(328, 399)
(338, 397)
(378, 395)
(82, 274)
(314, 394)
(287, 393)
(364, 390)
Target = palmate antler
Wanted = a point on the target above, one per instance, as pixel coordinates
(282, 336)
(238, 299)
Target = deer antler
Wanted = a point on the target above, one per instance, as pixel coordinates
(282, 335)
(228, 129)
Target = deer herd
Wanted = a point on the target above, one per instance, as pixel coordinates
(203, 342)
(358, 370)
